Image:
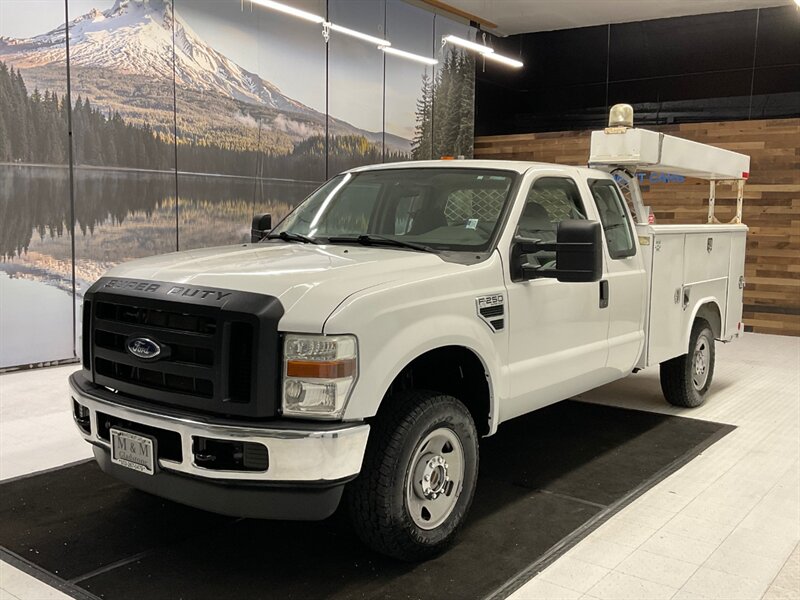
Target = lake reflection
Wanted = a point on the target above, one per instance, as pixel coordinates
(213, 210)
(119, 215)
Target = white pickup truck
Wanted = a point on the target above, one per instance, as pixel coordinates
(357, 351)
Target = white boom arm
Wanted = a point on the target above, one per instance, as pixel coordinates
(623, 150)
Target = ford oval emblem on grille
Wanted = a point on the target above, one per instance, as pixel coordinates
(142, 347)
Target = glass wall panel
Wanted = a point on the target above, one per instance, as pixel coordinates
(355, 86)
(251, 115)
(454, 92)
(409, 84)
(121, 81)
(36, 285)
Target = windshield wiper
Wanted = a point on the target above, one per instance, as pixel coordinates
(370, 239)
(288, 236)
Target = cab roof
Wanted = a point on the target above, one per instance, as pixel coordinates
(519, 166)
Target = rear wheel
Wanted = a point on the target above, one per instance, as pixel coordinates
(418, 477)
(685, 379)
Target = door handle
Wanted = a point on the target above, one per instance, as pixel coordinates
(604, 293)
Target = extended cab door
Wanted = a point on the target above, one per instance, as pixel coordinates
(557, 331)
(625, 274)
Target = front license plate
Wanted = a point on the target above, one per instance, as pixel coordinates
(133, 451)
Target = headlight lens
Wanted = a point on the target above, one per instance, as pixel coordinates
(318, 373)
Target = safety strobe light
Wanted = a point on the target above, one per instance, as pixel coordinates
(410, 55)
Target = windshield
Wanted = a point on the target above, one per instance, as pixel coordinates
(440, 208)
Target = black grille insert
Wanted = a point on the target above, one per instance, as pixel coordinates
(156, 317)
(86, 347)
(154, 379)
(240, 362)
(182, 353)
(218, 350)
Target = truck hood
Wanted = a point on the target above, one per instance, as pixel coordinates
(309, 280)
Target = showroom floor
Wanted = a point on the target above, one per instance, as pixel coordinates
(726, 525)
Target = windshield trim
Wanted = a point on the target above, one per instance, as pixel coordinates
(480, 252)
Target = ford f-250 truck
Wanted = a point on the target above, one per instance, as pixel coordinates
(357, 351)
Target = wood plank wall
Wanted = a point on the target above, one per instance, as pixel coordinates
(771, 205)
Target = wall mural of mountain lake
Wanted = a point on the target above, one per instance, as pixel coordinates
(188, 117)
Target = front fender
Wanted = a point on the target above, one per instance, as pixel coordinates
(380, 368)
(398, 322)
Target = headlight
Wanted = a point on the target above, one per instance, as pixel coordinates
(318, 373)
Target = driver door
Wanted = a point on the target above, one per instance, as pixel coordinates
(558, 331)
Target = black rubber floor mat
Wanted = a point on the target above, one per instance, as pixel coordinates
(546, 480)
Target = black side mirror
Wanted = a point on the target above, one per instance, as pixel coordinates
(578, 249)
(262, 225)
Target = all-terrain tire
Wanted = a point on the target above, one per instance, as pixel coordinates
(378, 499)
(685, 379)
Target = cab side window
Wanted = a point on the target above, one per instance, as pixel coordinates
(617, 226)
(549, 201)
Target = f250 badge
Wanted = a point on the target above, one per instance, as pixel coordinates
(491, 310)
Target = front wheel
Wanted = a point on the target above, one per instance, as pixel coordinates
(685, 379)
(418, 477)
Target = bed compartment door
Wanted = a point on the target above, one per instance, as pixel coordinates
(666, 293)
(706, 256)
(735, 285)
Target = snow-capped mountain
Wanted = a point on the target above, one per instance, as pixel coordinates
(134, 40)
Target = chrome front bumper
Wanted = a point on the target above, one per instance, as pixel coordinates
(295, 455)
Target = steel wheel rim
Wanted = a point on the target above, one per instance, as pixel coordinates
(701, 362)
(435, 478)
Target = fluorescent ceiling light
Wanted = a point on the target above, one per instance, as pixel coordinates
(410, 56)
(290, 10)
(504, 59)
(357, 34)
(467, 44)
(486, 51)
(296, 12)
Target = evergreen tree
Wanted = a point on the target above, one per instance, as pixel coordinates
(5, 146)
(34, 129)
(422, 144)
(447, 120)
(465, 140)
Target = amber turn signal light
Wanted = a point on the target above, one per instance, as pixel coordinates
(321, 369)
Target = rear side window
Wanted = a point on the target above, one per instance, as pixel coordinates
(550, 201)
(617, 226)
